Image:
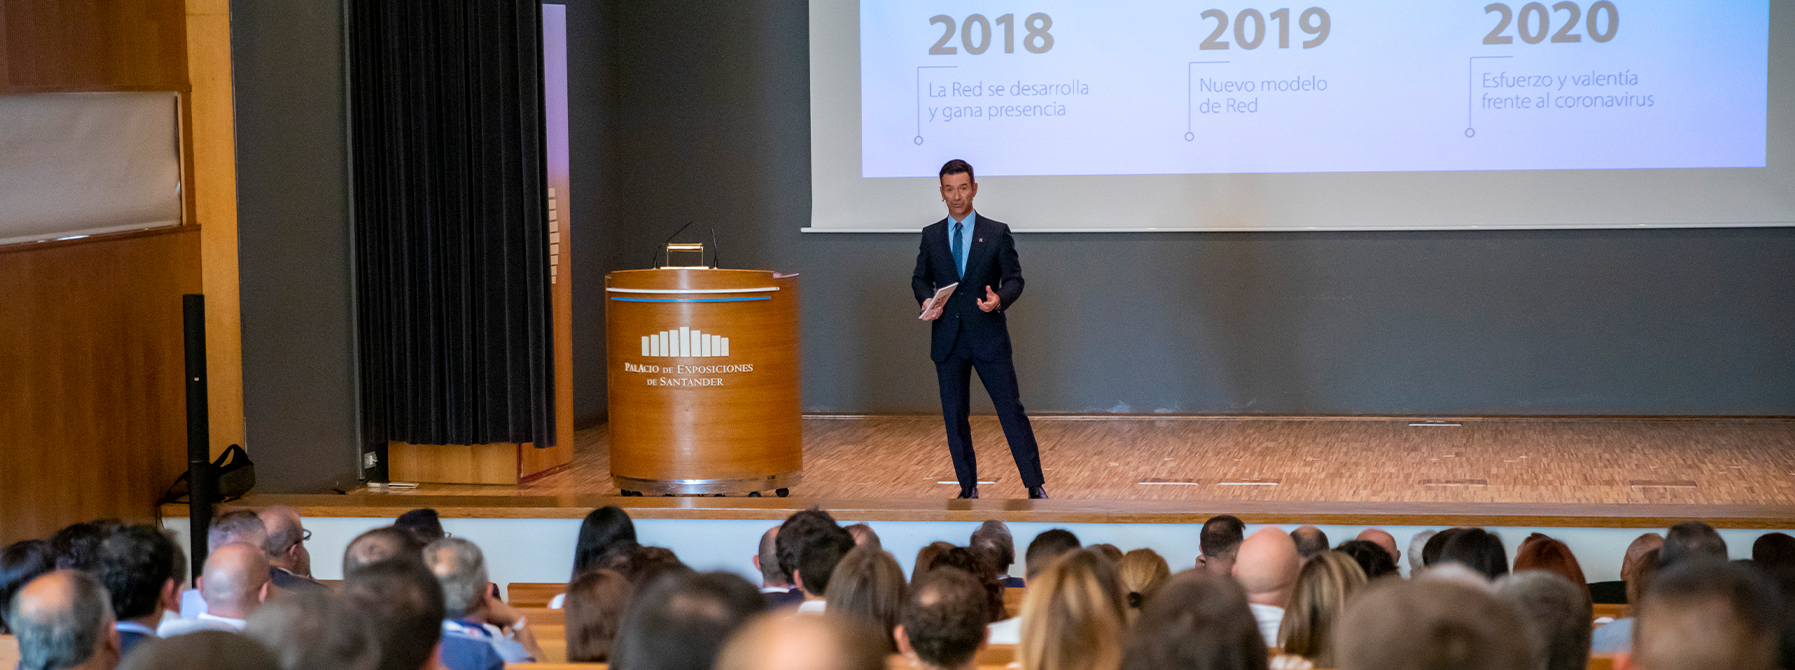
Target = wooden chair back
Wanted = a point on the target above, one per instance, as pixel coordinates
(543, 616)
(1601, 662)
(1611, 611)
(997, 654)
(532, 594)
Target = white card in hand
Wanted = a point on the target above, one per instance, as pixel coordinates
(932, 308)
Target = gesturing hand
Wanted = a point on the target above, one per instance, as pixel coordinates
(989, 303)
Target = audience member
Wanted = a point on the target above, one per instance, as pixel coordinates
(970, 563)
(403, 604)
(799, 523)
(1430, 552)
(1702, 613)
(641, 565)
(469, 609)
(143, 571)
(681, 622)
(1458, 573)
(925, 557)
(1691, 540)
(63, 620)
(1773, 551)
(1382, 539)
(1477, 549)
(1266, 566)
(1073, 617)
(993, 542)
(820, 548)
(775, 582)
(868, 586)
(1143, 572)
(1615, 592)
(203, 650)
(238, 526)
(1326, 583)
(1046, 547)
(1200, 621)
(1418, 550)
(864, 536)
(289, 562)
(1219, 540)
(380, 544)
(942, 625)
(1617, 635)
(234, 584)
(603, 531)
(1109, 551)
(596, 603)
(424, 523)
(20, 563)
(802, 643)
(1428, 624)
(77, 546)
(1555, 612)
(314, 629)
(1309, 541)
(1540, 552)
(1372, 559)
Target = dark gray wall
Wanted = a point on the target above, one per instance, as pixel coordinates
(293, 243)
(712, 124)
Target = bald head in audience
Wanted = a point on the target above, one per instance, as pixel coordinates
(1429, 624)
(803, 643)
(1704, 613)
(63, 619)
(1266, 567)
(235, 581)
(378, 545)
(1382, 539)
(286, 540)
(1309, 541)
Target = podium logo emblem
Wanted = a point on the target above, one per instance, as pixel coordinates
(684, 342)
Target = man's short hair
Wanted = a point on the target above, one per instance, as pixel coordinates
(20, 563)
(461, 569)
(1221, 535)
(798, 524)
(1706, 613)
(994, 543)
(237, 526)
(1309, 541)
(864, 535)
(380, 544)
(944, 617)
(1430, 552)
(1373, 559)
(424, 523)
(404, 606)
(315, 629)
(1199, 619)
(957, 166)
(77, 546)
(1556, 614)
(202, 650)
(135, 562)
(819, 550)
(682, 621)
(1774, 550)
(1418, 550)
(1424, 624)
(1690, 540)
(770, 573)
(60, 630)
(1049, 545)
(283, 536)
(1477, 549)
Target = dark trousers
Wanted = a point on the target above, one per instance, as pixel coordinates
(999, 378)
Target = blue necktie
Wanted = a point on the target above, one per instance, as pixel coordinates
(959, 260)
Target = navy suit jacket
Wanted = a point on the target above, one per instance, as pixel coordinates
(991, 261)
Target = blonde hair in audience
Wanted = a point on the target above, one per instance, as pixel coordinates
(1142, 572)
(1072, 617)
(1328, 580)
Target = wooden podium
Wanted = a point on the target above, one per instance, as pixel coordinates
(703, 381)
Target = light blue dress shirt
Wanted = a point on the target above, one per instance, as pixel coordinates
(971, 221)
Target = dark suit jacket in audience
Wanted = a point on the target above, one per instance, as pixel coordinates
(292, 582)
(127, 639)
(779, 599)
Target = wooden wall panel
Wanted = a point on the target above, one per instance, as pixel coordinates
(92, 408)
(93, 45)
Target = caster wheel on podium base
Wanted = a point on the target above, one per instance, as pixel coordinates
(632, 494)
(783, 492)
(754, 494)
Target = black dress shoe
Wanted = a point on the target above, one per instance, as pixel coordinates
(1037, 493)
(971, 493)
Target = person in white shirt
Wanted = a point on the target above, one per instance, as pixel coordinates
(234, 527)
(1266, 567)
(234, 584)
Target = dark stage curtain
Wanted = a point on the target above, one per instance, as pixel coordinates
(451, 232)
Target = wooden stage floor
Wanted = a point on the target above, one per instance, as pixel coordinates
(1619, 472)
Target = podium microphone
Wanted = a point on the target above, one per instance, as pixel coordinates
(716, 258)
(676, 233)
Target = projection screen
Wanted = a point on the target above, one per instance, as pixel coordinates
(1159, 115)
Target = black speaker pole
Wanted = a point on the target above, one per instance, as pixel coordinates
(204, 483)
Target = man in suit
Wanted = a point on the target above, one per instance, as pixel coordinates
(969, 331)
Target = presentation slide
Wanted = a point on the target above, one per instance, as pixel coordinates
(1070, 87)
(1155, 115)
